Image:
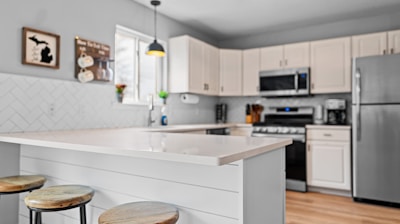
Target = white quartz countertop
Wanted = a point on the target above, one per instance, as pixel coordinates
(135, 142)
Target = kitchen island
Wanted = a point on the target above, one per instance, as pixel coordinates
(211, 179)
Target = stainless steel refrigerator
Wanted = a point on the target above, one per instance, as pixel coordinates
(376, 129)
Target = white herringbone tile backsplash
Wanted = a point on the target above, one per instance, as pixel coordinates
(37, 104)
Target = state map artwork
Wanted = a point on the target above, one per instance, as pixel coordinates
(41, 46)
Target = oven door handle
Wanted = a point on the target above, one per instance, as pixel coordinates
(298, 138)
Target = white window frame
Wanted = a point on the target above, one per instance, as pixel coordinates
(161, 68)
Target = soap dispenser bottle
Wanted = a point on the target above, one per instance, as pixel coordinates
(164, 119)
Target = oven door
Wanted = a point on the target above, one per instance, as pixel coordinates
(295, 161)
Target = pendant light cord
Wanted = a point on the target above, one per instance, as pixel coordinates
(155, 22)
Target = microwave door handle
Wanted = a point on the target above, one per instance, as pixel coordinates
(296, 82)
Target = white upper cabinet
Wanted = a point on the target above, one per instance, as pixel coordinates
(285, 56)
(331, 65)
(369, 44)
(251, 69)
(211, 70)
(376, 44)
(297, 55)
(193, 66)
(271, 58)
(230, 73)
(196, 66)
(394, 42)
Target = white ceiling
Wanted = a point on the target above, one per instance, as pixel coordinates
(228, 19)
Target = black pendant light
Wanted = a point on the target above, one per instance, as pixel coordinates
(155, 48)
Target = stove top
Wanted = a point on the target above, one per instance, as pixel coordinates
(285, 120)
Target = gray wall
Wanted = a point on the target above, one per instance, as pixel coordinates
(90, 19)
(317, 32)
(38, 99)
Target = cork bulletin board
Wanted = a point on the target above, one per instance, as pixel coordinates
(92, 58)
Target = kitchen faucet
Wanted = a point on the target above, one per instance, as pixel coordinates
(151, 108)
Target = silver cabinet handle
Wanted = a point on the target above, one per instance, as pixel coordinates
(280, 63)
(327, 135)
(392, 50)
(286, 62)
(384, 51)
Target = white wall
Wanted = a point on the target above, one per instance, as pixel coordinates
(316, 32)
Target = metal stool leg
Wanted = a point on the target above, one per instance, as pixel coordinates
(83, 214)
(30, 217)
(38, 218)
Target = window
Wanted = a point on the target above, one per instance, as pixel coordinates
(143, 75)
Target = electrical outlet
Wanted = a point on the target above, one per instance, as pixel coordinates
(52, 109)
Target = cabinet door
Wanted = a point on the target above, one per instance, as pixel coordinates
(251, 69)
(328, 164)
(369, 44)
(297, 55)
(230, 72)
(196, 66)
(331, 66)
(211, 70)
(271, 58)
(394, 41)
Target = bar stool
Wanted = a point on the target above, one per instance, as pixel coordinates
(21, 183)
(145, 212)
(59, 198)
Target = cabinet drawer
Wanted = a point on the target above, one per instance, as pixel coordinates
(323, 134)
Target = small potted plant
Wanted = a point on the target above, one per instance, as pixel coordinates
(119, 89)
(163, 95)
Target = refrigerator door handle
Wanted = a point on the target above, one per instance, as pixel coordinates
(358, 98)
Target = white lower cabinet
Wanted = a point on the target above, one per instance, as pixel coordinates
(328, 157)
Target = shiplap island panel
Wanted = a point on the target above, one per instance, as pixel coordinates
(211, 179)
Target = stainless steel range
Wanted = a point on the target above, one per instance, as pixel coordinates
(289, 122)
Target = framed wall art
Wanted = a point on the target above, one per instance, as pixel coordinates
(40, 48)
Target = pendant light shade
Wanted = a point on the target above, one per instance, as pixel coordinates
(155, 48)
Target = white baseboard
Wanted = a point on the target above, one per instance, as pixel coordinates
(323, 190)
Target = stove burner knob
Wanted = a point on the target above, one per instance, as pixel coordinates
(264, 130)
(257, 129)
(272, 130)
(293, 130)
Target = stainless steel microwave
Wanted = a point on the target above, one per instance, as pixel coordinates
(285, 82)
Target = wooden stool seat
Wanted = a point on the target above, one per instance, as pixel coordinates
(16, 184)
(59, 197)
(146, 212)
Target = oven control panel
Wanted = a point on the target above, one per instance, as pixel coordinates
(279, 130)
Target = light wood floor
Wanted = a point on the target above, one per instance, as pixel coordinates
(315, 208)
